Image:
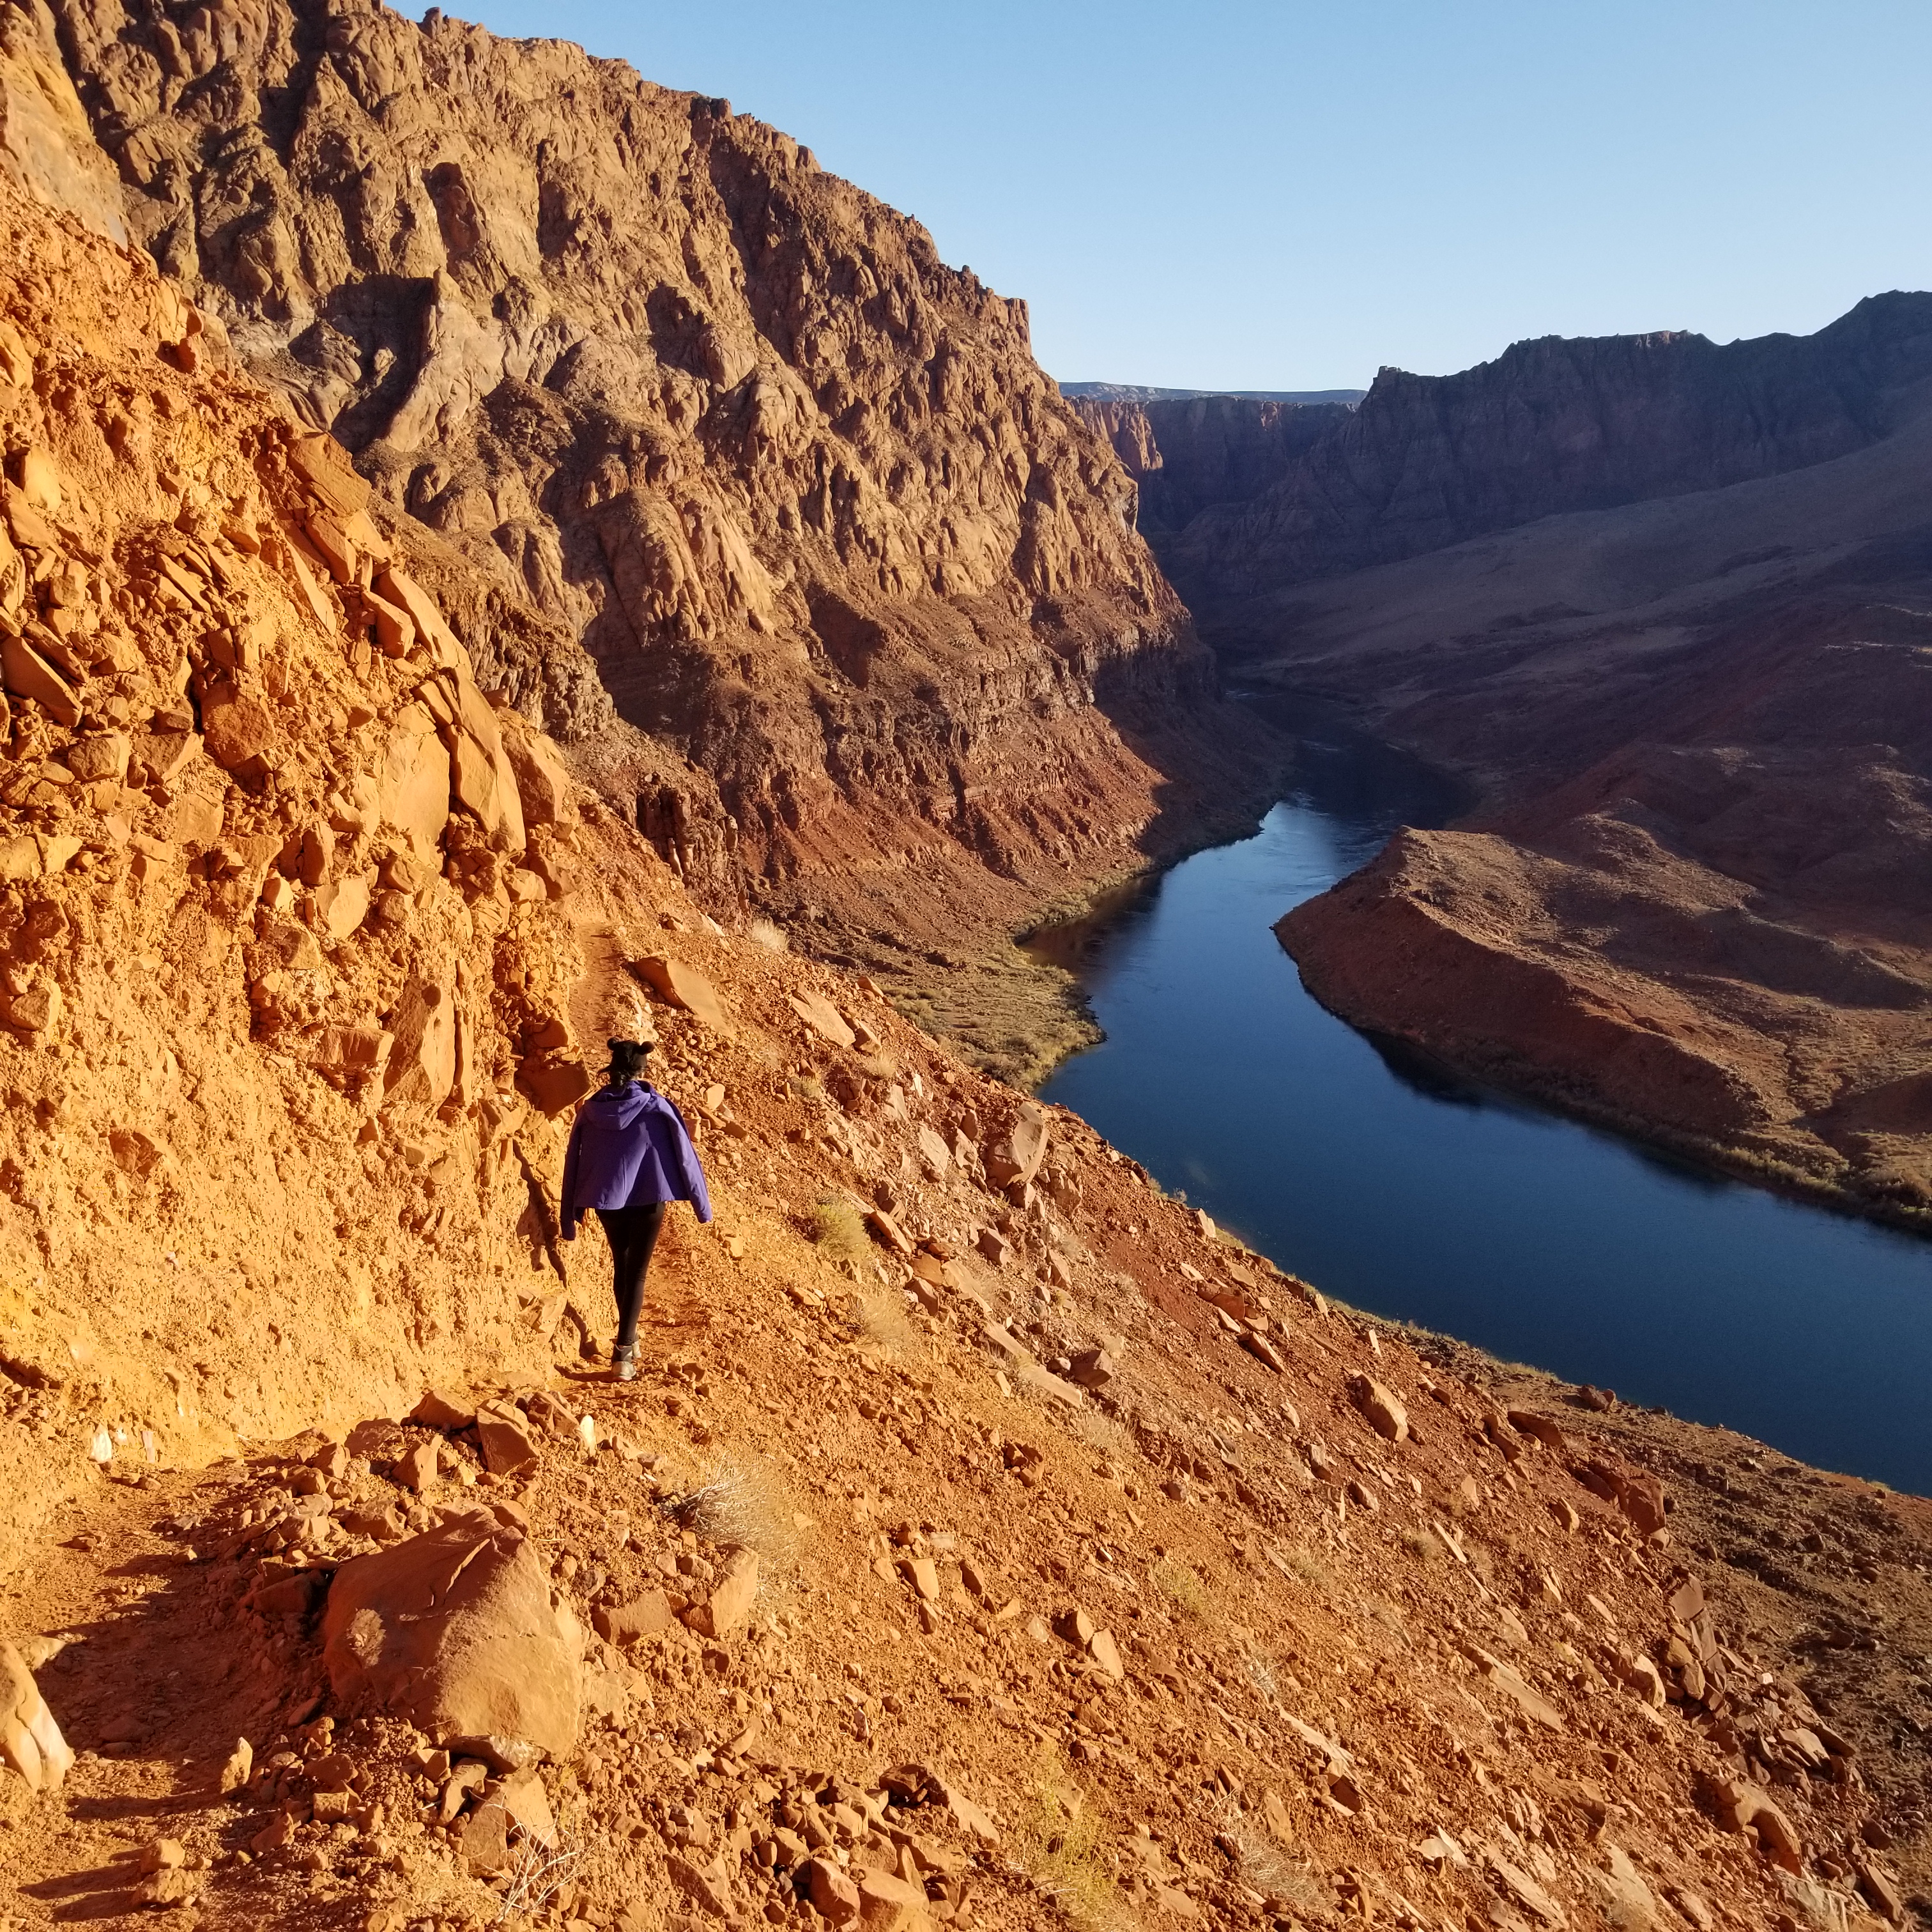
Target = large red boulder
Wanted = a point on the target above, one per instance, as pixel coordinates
(456, 1630)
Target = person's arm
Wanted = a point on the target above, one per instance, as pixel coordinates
(566, 1203)
(690, 1172)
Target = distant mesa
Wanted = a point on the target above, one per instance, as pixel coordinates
(1136, 392)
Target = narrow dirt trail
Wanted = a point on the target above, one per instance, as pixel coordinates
(153, 1683)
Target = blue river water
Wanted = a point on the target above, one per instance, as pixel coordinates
(1407, 1192)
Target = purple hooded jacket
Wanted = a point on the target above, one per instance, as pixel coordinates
(628, 1148)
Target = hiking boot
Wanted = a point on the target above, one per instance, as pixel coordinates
(624, 1363)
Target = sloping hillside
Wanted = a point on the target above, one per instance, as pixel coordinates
(990, 1541)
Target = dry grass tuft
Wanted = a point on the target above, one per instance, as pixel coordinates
(772, 938)
(1421, 1545)
(1101, 1432)
(839, 1234)
(1059, 1845)
(538, 1872)
(882, 1318)
(1387, 1614)
(741, 1500)
(1181, 1587)
(1266, 1868)
(1312, 1570)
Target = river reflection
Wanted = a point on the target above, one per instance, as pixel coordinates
(1399, 1187)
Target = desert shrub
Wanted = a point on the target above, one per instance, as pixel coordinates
(538, 1872)
(1266, 1868)
(1101, 1432)
(1309, 1568)
(1060, 1836)
(839, 1234)
(741, 1501)
(1180, 1586)
(881, 1314)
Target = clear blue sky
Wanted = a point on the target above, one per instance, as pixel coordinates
(1246, 196)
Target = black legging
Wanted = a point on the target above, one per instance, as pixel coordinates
(632, 1233)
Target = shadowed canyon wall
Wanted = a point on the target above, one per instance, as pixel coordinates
(1254, 496)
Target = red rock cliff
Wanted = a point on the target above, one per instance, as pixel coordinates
(1189, 455)
(798, 489)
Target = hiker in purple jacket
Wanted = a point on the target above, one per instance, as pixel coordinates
(630, 1157)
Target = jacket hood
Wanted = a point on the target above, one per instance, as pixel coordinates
(611, 1109)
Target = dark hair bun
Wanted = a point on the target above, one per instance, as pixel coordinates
(627, 1058)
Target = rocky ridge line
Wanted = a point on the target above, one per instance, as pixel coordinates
(1272, 498)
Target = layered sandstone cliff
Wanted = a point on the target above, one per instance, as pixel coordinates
(1191, 454)
(1550, 426)
(724, 437)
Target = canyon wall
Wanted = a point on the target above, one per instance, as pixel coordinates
(1665, 602)
(1188, 455)
(732, 451)
(1549, 427)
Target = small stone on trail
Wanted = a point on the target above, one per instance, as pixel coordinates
(1076, 1626)
(1093, 1369)
(240, 1766)
(168, 1886)
(443, 1409)
(1265, 1352)
(1878, 1890)
(505, 1439)
(1693, 1906)
(833, 1895)
(728, 1605)
(890, 1903)
(417, 1471)
(277, 1832)
(1541, 1427)
(646, 1616)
